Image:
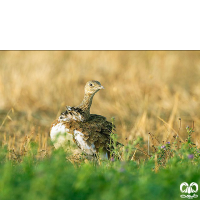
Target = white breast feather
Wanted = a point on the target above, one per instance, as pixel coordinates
(60, 135)
(82, 144)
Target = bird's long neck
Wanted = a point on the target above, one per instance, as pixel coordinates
(86, 103)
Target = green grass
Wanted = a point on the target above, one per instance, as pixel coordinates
(54, 177)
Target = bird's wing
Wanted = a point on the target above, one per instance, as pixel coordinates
(72, 113)
(94, 133)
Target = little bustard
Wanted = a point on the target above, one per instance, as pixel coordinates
(86, 132)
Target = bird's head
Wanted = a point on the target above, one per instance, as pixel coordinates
(92, 87)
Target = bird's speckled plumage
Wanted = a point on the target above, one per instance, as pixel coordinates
(78, 127)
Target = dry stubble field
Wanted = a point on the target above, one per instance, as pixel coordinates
(146, 91)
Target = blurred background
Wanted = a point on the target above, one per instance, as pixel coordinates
(146, 91)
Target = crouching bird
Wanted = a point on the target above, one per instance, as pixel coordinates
(81, 131)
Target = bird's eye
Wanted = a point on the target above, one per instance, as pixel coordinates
(91, 84)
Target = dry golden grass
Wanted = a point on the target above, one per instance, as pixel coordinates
(146, 91)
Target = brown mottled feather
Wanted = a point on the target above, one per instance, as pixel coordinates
(96, 130)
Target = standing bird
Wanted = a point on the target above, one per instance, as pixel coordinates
(83, 131)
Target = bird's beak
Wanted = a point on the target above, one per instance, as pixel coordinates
(101, 87)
